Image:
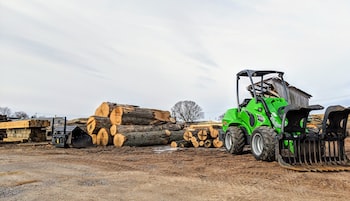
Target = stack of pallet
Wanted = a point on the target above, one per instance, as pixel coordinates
(25, 130)
(201, 135)
(129, 125)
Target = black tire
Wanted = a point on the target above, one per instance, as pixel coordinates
(263, 143)
(234, 140)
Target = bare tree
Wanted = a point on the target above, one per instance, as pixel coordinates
(21, 115)
(221, 117)
(187, 111)
(5, 111)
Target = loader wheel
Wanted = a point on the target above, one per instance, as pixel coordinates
(234, 140)
(262, 143)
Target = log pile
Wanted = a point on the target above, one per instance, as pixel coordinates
(130, 125)
(202, 135)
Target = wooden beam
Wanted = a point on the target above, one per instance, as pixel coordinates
(31, 123)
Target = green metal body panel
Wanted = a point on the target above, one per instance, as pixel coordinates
(254, 115)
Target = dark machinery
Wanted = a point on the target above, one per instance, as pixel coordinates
(70, 136)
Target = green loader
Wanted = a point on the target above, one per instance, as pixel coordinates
(276, 128)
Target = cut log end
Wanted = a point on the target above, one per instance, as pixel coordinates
(94, 138)
(194, 142)
(167, 132)
(103, 137)
(187, 135)
(173, 144)
(202, 135)
(113, 130)
(208, 143)
(119, 140)
(214, 133)
(217, 143)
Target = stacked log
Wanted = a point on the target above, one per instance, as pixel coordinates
(130, 125)
(205, 135)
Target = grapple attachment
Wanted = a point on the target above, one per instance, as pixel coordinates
(302, 150)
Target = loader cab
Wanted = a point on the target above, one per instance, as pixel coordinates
(257, 88)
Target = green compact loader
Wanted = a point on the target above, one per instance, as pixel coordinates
(276, 128)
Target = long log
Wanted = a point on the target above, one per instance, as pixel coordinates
(126, 115)
(95, 123)
(114, 129)
(150, 138)
(105, 109)
(31, 123)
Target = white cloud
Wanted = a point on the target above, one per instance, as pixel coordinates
(155, 53)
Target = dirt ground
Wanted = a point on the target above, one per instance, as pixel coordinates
(156, 173)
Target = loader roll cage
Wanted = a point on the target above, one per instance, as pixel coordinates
(252, 73)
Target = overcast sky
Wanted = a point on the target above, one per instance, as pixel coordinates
(65, 57)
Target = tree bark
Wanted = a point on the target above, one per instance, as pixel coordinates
(144, 128)
(95, 123)
(148, 138)
(122, 115)
(105, 109)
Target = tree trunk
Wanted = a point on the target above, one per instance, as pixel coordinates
(95, 123)
(144, 128)
(103, 137)
(139, 116)
(105, 109)
(148, 138)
